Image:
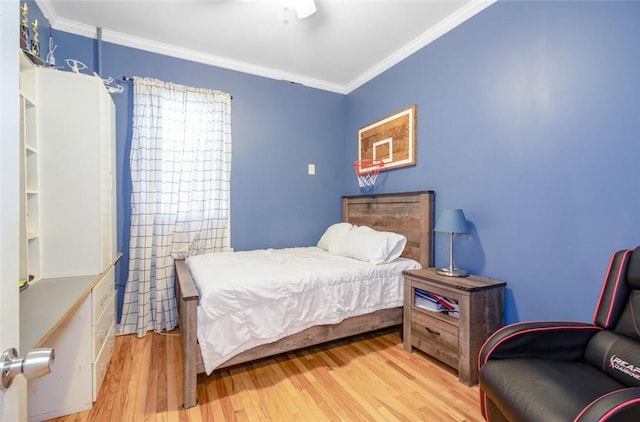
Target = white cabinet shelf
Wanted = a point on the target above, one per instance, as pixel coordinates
(29, 180)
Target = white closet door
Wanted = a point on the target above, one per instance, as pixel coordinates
(76, 139)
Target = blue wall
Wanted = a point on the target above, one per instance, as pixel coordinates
(528, 119)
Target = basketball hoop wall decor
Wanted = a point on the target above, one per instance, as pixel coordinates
(391, 140)
(367, 173)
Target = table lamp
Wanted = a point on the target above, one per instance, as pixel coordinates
(452, 221)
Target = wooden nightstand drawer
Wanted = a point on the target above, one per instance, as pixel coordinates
(435, 337)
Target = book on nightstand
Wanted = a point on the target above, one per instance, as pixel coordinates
(436, 303)
(426, 302)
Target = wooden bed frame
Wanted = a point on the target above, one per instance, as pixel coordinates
(410, 214)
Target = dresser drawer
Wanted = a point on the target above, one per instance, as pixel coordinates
(101, 364)
(104, 327)
(435, 337)
(102, 294)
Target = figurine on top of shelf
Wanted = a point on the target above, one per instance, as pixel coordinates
(30, 47)
(35, 42)
(75, 65)
(24, 27)
(50, 58)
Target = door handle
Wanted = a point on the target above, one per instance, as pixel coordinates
(36, 363)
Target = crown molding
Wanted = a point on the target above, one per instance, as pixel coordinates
(192, 55)
(47, 10)
(462, 15)
(465, 13)
(222, 62)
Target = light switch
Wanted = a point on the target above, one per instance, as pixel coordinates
(312, 169)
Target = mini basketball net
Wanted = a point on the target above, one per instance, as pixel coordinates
(367, 171)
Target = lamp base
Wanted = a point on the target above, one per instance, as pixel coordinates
(452, 272)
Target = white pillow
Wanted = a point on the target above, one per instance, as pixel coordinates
(334, 236)
(373, 246)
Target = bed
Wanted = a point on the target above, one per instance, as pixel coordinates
(409, 214)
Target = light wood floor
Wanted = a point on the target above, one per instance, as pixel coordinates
(365, 378)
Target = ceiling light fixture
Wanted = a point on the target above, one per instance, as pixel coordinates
(305, 8)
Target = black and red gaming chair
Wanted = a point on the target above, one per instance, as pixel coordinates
(570, 371)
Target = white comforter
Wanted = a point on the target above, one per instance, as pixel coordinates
(256, 297)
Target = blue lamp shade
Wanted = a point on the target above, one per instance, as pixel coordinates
(452, 221)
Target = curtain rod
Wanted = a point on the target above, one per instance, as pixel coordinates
(129, 78)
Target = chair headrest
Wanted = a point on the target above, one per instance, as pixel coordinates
(633, 270)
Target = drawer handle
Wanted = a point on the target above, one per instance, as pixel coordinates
(102, 299)
(435, 333)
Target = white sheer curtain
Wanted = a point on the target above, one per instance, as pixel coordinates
(180, 174)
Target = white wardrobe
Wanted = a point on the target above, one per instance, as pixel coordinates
(76, 128)
(69, 243)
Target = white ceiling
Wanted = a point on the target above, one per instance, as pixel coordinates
(343, 45)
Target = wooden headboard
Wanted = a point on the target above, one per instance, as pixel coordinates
(409, 214)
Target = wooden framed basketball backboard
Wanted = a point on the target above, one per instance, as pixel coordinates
(391, 139)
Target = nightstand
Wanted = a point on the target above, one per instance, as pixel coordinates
(454, 340)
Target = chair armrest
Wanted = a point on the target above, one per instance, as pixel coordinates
(619, 405)
(557, 340)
